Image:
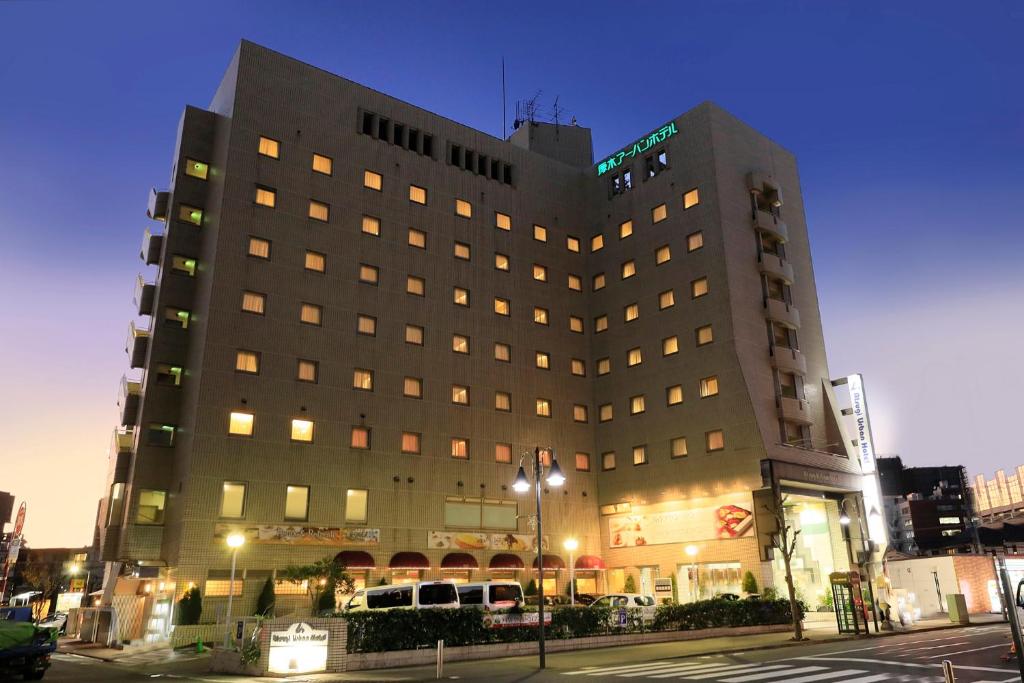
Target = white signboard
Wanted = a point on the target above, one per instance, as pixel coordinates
(719, 517)
(301, 649)
(865, 447)
(663, 587)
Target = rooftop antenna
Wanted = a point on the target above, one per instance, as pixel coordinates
(557, 111)
(504, 125)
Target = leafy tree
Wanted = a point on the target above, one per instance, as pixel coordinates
(266, 600)
(531, 588)
(749, 583)
(322, 576)
(45, 577)
(190, 607)
(327, 602)
(784, 540)
(630, 585)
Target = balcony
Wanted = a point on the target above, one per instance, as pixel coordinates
(136, 346)
(144, 295)
(128, 400)
(794, 410)
(157, 208)
(788, 360)
(124, 440)
(772, 265)
(766, 222)
(151, 246)
(781, 312)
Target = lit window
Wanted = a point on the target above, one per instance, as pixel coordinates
(659, 213)
(502, 221)
(704, 335)
(639, 455)
(674, 395)
(543, 407)
(625, 229)
(501, 262)
(628, 269)
(241, 424)
(460, 296)
(302, 430)
(502, 352)
(322, 164)
(608, 460)
(503, 401)
(579, 413)
(460, 448)
(583, 462)
(572, 244)
(663, 255)
(196, 169)
(598, 282)
(699, 287)
(411, 443)
(151, 507)
(366, 324)
(540, 273)
(460, 395)
(596, 243)
(414, 335)
(362, 379)
(232, 500)
(374, 181)
(600, 323)
(307, 370)
(355, 505)
(417, 238)
(678, 447)
(371, 226)
(412, 387)
(637, 405)
(666, 300)
(695, 241)
(540, 233)
(461, 251)
(503, 452)
(253, 302)
(463, 208)
(415, 285)
(269, 148)
(190, 214)
(575, 283)
(266, 197)
(691, 198)
(360, 438)
(709, 386)
(460, 343)
(368, 274)
(540, 315)
(259, 247)
(578, 367)
(316, 261)
(296, 503)
(311, 314)
(417, 195)
(669, 345)
(177, 317)
(604, 366)
(631, 312)
(634, 357)
(501, 306)
(247, 361)
(605, 412)
(318, 210)
(714, 440)
(543, 360)
(576, 324)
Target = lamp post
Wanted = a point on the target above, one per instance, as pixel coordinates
(571, 544)
(522, 484)
(691, 552)
(234, 542)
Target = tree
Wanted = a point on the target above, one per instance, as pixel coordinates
(327, 602)
(531, 588)
(265, 602)
(749, 583)
(45, 577)
(784, 540)
(317, 578)
(630, 585)
(190, 607)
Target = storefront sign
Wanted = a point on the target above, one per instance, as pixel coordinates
(509, 620)
(721, 517)
(300, 649)
(663, 587)
(302, 535)
(475, 540)
(639, 147)
(865, 447)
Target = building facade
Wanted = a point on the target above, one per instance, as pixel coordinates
(1000, 497)
(928, 509)
(364, 314)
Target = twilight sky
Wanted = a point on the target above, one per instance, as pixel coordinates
(907, 119)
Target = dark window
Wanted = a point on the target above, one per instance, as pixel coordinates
(395, 597)
(367, 123)
(383, 129)
(495, 169)
(428, 145)
(414, 140)
(400, 134)
(503, 592)
(507, 174)
(471, 595)
(470, 159)
(456, 157)
(438, 594)
(481, 165)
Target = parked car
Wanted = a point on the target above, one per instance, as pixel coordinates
(491, 595)
(25, 649)
(585, 598)
(422, 595)
(57, 620)
(646, 603)
(552, 600)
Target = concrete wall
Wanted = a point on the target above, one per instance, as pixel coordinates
(956, 574)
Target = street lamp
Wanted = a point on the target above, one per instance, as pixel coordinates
(75, 570)
(571, 544)
(691, 552)
(234, 541)
(555, 478)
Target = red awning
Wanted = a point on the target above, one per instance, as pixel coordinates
(459, 561)
(551, 562)
(506, 561)
(409, 560)
(589, 562)
(355, 559)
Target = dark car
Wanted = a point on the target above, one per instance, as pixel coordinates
(585, 598)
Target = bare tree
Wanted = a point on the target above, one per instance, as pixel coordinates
(784, 540)
(45, 577)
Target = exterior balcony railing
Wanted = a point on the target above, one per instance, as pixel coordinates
(766, 222)
(128, 400)
(794, 410)
(157, 208)
(124, 439)
(788, 360)
(781, 312)
(145, 293)
(136, 346)
(151, 246)
(772, 265)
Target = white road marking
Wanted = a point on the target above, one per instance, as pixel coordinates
(774, 674)
(977, 649)
(608, 669)
(827, 675)
(819, 658)
(742, 668)
(935, 647)
(867, 679)
(674, 669)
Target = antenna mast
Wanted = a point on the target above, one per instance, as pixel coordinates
(504, 127)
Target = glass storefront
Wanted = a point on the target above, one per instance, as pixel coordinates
(820, 549)
(705, 580)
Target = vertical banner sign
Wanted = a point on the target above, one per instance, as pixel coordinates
(866, 455)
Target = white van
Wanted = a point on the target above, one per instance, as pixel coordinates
(422, 595)
(491, 595)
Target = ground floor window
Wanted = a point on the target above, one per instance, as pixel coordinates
(820, 549)
(405, 576)
(502, 574)
(586, 583)
(456, 575)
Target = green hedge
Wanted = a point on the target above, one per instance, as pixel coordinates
(402, 629)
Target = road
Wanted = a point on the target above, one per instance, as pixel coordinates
(909, 657)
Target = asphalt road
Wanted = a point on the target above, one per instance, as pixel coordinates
(910, 657)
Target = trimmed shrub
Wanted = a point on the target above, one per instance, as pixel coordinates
(266, 600)
(749, 583)
(718, 613)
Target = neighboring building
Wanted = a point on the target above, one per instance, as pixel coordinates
(928, 508)
(365, 313)
(6, 508)
(1001, 496)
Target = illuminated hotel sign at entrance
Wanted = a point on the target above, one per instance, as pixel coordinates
(639, 147)
(301, 649)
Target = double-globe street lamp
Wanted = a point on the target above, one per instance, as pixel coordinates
(522, 484)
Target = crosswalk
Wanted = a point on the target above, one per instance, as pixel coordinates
(731, 672)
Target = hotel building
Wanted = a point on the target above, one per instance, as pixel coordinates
(361, 315)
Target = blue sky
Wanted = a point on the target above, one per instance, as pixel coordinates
(907, 119)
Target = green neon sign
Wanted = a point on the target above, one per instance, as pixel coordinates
(637, 148)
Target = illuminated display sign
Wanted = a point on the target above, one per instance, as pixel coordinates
(866, 453)
(702, 519)
(639, 147)
(301, 649)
